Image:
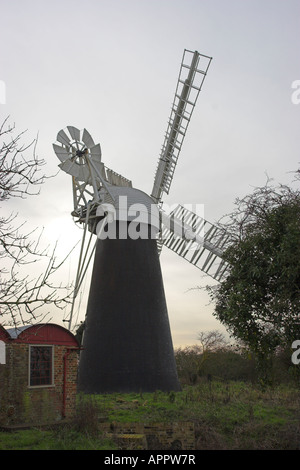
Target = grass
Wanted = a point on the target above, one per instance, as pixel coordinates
(36, 439)
(235, 415)
(63, 439)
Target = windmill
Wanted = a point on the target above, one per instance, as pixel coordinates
(127, 344)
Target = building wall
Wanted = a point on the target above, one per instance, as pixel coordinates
(21, 404)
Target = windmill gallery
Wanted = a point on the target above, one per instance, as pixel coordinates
(127, 344)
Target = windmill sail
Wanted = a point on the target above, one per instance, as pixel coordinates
(126, 294)
(189, 84)
(196, 240)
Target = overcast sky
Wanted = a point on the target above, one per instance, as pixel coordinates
(111, 66)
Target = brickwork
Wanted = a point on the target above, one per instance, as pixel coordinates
(153, 436)
(22, 404)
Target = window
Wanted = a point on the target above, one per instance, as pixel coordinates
(40, 365)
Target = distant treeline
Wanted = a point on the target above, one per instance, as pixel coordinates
(233, 363)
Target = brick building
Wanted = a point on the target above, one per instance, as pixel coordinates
(38, 374)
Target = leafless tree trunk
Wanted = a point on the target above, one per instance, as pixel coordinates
(24, 299)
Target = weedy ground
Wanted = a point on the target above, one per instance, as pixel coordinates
(234, 415)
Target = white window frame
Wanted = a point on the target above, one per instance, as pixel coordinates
(2, 352)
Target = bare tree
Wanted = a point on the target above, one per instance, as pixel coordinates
(191, 359)
(23, 298)
(210, 342)
(18, 174)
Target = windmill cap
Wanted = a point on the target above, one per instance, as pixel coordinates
(130, 205)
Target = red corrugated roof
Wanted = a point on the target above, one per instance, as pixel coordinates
(44, 333)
